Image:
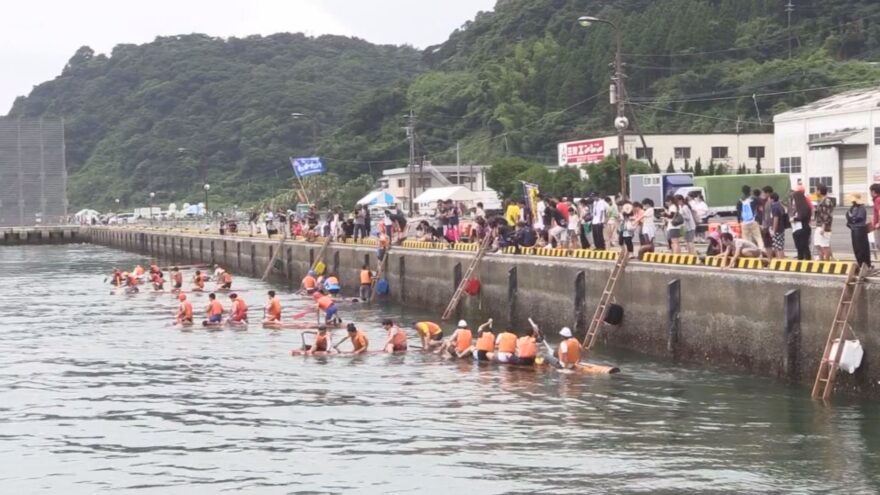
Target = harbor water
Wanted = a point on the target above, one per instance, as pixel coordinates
(100, 393)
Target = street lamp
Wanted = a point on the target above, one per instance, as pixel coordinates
(117, 205)
(152, 195)
(207, 188)
(617, 94)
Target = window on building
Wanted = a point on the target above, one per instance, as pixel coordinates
(790, 165)
(401, 183)
(815, 181)
(719, 152)
(424, 182)
(877, 136)
(644, 153)
(682, 153)
(756, 152)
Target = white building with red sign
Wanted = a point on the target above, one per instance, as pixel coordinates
(732, 150)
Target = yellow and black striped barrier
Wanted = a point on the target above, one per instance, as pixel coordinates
(461, 246)
(671, 258)
(555, 252)
(747, 263)
(594, 254)
(510, 250)
(809, 266)
(423, 245)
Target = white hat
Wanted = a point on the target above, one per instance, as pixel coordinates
(462, 324)
(565, 332)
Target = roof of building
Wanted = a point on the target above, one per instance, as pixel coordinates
(856, 100)
(465, 169)
(848, 136)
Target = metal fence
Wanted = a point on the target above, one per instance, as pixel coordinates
(33, 175)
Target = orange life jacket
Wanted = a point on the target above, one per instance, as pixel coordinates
(309, 282)
(227, 278)
(399, 339)
(383, 241)
(186, 310)
(156, 278)
(507, 342)
(574, 352)
(486, 342)
(215, 308)
(274, 308)
(463, 340)
(200, 282)
(239, 308)
(320, 342)
(324, 302)
(366, 277)
(526, 347)
(360, 341)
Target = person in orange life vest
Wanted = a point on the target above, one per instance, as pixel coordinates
(505, 346)
(309, 283)
(459, 343)
(273, 307)
(131, 283)
(331, 285)
(199, 281)
(366, 283)
(184, 311)
(359, 341)
(176, 278)
(396, 341)
(214, 310)
(239, 308)
(383, 243)
(526, 349)
(158, 281)
(225, 280)
(117, 277)
(430, 333)
(485, 341)
(154, 268)
(326, 304)
(569, 353)
(322, 341)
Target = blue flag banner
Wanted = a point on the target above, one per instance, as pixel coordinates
(303, 167)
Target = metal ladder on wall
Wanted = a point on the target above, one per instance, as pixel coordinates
(604, 301)
(829, 365)
(475, 262)
(380, 272)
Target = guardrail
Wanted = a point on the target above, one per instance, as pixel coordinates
(776, 265)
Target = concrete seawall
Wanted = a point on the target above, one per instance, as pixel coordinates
(768, 323)
(10, 236)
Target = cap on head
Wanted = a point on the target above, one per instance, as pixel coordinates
(182, 297)
(322, 328)
(565, 332)
(462, 324)
(351, 328)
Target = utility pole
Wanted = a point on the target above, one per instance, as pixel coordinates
(620, 122)
(789, 8)
(458, 162)
(411, 135)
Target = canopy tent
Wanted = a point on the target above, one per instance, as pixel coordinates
(377, 198)
(455, 193)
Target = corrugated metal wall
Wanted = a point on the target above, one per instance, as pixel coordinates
(33, 175)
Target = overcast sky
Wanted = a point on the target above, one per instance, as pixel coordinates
(39, 36)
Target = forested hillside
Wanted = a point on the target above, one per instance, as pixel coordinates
(509, 84)
(516, 81)
(228, 102)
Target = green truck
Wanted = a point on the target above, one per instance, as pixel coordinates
(722, 192)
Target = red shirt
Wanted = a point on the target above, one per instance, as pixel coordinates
(876, 211)
(562, 206)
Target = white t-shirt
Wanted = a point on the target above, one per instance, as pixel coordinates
(600, 208)
(648, 227)
(672, 210)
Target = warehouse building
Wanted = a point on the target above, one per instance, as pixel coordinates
(731, 150)
(33, 177)
(834, 141)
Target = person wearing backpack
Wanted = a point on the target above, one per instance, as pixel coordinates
(746, 210)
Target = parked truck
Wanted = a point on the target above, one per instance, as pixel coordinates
(722, 192)
(657, 187)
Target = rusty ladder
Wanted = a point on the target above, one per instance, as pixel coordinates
(475, 262)
(604, 301)
(829, 365)
(380, 272)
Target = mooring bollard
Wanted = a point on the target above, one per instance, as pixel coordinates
(673, 312)
(511, 294)
(791, 332)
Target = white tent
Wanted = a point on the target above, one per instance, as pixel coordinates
(427, 201)
(377, 198)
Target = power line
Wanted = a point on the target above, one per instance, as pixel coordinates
(737, 97)
(661, 109)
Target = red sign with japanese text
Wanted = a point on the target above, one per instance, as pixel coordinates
(578, 152)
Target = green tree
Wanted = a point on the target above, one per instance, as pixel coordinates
(670, 169)
(605, 175)
(655, 167)
(505, 173)
(687, 166)
(698, 168)
(758, 165)
(712, 169)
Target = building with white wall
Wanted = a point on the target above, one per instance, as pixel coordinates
(731, 150)
(395, 181)
(834, 141)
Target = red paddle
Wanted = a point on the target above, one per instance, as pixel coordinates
(300, 315)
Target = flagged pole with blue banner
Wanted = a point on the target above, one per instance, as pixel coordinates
(304, 167)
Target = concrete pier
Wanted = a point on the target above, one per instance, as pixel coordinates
(40, 235)
(738, 319)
